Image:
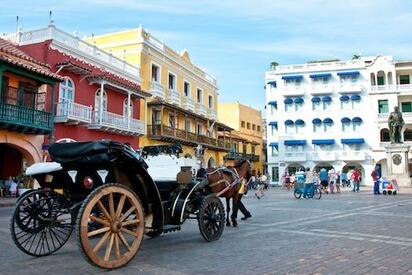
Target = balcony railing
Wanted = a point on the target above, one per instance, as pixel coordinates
(293, 89)
(236, 156)
(171, 134)
(323, 156)
(321, 88)
(157, 90)
(212, 113)
(404, 87)
(201, 109)
(350, 87)
(24, 119)
(294, 156)
(117, 123)
(187, 103)
(173, 97)
(353, 155)
(69, 111)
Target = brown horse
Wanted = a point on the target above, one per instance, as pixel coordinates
(226, 182)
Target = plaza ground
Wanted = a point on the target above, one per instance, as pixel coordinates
(347, 233)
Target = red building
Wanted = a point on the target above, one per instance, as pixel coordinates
(100, 96)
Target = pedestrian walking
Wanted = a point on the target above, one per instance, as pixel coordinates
(375, 178)
(309, 181)
(242, 208)
(356, 177)
(323, 176)
(337, 182)
(332, 179)
(344, 179)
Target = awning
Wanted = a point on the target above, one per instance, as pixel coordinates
(274, 103)
(315, 99)
(273, 123)
(355, 97)
(299, 122)
(289, 122)
(344, 98)
(273, 83)
(354, 73)
(326, 99)
(352, 140)
(294, 142)
(288, 100)
(345, 120)
(326, 75)
(328, 120)
(323, 141)
(298, 100)
(357, 119)
(274, 144)
(292, 77)
(316, 121)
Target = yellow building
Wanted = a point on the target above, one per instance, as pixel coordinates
(183, 106)
(247, 138)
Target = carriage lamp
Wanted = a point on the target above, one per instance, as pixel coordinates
(88, 182)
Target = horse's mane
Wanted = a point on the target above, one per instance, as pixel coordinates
(239, 163)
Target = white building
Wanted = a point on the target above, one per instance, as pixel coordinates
(334, 114)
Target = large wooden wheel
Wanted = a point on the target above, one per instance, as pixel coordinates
(211, 218)
(41, 223)
(110, 226)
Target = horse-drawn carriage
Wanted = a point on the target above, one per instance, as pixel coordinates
(104, 191)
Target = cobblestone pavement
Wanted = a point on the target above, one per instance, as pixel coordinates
(348, 233)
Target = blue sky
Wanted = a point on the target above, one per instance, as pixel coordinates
(235, 40)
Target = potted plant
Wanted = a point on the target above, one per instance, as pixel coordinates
(273, 65)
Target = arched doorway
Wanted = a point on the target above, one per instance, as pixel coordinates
(294, 167)
(407, 135)
(385, 135)
(324, 165)
(211, 163)
(351, 166)
(12, 161)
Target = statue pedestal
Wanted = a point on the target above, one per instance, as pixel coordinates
(398, 163)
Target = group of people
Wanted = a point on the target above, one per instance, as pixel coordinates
(330, 180)
(9, 187)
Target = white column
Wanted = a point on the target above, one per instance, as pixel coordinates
(101, 102)
(128, 109)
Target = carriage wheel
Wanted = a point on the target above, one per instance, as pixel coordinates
(118, 226)
(211, 218)
(297, 193)
(317, 193)
(42, 222)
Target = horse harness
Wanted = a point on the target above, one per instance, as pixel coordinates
(224, 170)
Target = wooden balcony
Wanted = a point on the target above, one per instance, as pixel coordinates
(172, 135)
(25, 120)
(237, 156)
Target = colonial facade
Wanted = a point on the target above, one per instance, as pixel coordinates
(26, 115)
(247, 139)
(183, 106)
(334, 113)
(100, 95)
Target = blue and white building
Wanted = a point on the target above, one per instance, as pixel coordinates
(334, 114)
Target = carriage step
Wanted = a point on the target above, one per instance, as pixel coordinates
(170, 228)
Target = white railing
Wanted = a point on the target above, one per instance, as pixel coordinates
(69, 110)
(77, 44)
(212, 113)
(353, 155)
(404, 87)
(321, 88)
(173, 97)
(156, 89)
(323, 156)
(187, 103)
(119, 122)
(294, 156)
(320, 66)
(201, 109)
(350, 87)
(293, 89)
(382, 88)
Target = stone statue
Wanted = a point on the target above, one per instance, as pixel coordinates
(395, 123)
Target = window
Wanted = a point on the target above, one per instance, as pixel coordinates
(316, 106)
(156, 117)
(383, 106)
(172, 121)
(406, 107)
(273, 108)
(348, 79)
(353, 147)
(253, 151)
(299, 128)
(407, 135)
(66, 91)
(381, 80)
(125, 108)
(97, 101)
(242, 124)
(298, 106)
(320, 80)
(346, 127)
(385, 135)
(172, 82)
(188, 125)
(234, 148)
(199, 96)
(326, 105)
(292, 82)
(244, 148)
(290, 129)
(253, 127)
(345, 105)
(356, 104)
(211, 105)
(155, 73)
(404, 79)
(275, 173)
(274, 150)
(199, 129)
(317, 127)
(288, 107)
(258, 128)
(274, 129)
(186, 89)
(248, 125)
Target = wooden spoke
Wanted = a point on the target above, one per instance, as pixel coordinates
(120, 206)
(111, 206)
(98, 231)
(134, 234)
(109, 248)
(124, 240)
(130, 222)
(128, 212)
(101, 242)
(103, 209)
(99, 220)
(116, 246)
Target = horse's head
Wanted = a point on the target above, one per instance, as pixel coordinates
(243, 168)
